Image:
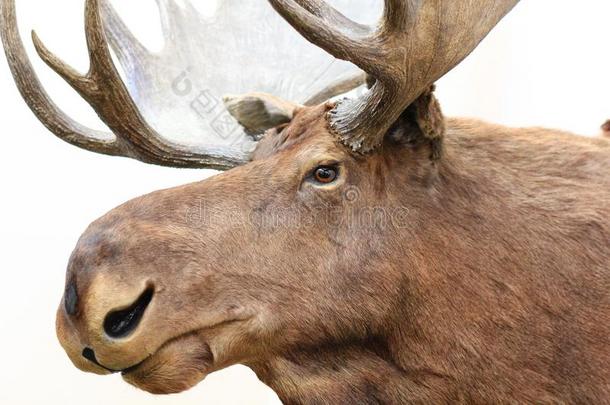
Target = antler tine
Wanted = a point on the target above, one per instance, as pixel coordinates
(337, 88)
(168, 9)
(39, 101)
(328, 29)
(416, 43)
(395, 16)
(104, 90)
(127, 47)
(323, 10)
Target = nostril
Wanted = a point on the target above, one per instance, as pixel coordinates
(119, 324)
(71, 298)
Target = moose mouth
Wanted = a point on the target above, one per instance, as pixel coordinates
(163, 372)
(180, 364)
(89, 354)
(177, 364)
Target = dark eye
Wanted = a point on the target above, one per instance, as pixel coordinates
(325, 174)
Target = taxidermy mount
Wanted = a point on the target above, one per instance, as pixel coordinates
(361, 249)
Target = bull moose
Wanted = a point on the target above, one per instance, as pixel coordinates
(368, 250)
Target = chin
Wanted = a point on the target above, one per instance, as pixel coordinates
(178, 366)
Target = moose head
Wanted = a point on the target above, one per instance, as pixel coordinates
(342, 258)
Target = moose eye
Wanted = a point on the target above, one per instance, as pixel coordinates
(325, 174)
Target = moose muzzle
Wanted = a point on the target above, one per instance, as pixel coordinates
(99, 321)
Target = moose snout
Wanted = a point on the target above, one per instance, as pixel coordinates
(100, 322)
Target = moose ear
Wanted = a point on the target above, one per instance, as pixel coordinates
(258, 112)
(422, 121)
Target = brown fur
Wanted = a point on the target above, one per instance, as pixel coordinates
(479, 277)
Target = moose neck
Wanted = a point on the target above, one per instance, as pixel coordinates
(460, 285)
(359, 373)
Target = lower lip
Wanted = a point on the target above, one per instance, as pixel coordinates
(132, 368)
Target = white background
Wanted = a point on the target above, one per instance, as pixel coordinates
(546, 65)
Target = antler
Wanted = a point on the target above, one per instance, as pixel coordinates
(38, 100)
(104, 90)
(416, 43)
(337, 88)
